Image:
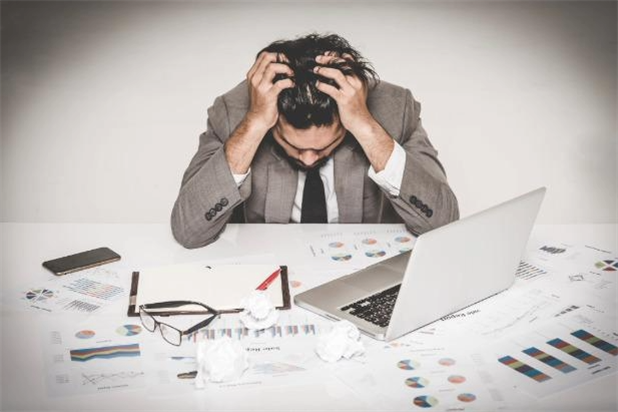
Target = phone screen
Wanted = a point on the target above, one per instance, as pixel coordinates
(81, 260)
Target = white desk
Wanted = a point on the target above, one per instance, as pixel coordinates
(25, 246)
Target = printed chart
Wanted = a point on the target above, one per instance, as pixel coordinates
(87, 291)
(561, 354)
(81, 359)
(358, 249)
(406, 378)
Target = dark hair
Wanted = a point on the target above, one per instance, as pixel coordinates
(304, 105)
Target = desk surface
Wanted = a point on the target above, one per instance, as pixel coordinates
(25, 246)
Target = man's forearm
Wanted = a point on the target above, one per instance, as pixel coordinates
(242, 145)
(376, 143)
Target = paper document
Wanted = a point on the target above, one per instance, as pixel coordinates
(221, 287)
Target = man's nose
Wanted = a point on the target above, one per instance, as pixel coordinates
(308, 157)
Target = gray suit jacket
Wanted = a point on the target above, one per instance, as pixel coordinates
(209, 197)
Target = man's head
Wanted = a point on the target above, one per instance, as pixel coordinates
(309, 128)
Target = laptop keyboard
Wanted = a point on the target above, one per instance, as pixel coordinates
(377, 308)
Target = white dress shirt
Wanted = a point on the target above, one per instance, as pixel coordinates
(388, 179)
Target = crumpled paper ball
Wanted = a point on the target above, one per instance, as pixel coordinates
(343, 341)
(223, 360)
(259, 312)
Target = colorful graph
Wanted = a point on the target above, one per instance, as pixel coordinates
(375, 253)
(574, 351)
(276, 331)
(129, 330)
(447, 362)
(408, 364)
(36, 295)
(466, 397)
(402, 239)
(341, 257)
(336, 245)
(95, 289)
(524, 369)
(607, 265)
(457, 379)
(416, 382)
(106, 352)
(596, 342)
(369, 241)
(549, 360)
(425, 401)
(85, 334)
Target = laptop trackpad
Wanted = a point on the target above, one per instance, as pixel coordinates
(374, 278)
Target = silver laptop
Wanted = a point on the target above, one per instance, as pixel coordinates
(449, 268)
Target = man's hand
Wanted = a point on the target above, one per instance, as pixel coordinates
(263, 113)
(263, 91)
(351, 98)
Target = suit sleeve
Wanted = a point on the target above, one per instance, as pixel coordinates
(425, 199)
(208, 193)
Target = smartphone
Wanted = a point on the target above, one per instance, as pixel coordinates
(81, 261)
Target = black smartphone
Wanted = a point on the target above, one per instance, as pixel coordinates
(81, 261)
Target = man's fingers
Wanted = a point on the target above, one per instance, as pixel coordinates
(334, 74)
(332, 91)
(256, 64)
(283, 84)
(329, 58)
(272, 70)
(257, 71)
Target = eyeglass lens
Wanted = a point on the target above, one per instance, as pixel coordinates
(170, 334)
(147, 321)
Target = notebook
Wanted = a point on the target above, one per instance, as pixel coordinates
(221, 287)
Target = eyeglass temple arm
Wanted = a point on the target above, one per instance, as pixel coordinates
(176, 303)
(200, 325)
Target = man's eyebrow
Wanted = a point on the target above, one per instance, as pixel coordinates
(312, 149)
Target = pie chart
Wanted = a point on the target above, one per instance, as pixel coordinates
(408, 364)
(425, 401)
(39, 294)
(417, 382)
(466, 397)
(375, 253)
(84, 334)
(129, 330)
(341, 257)
(456, 379)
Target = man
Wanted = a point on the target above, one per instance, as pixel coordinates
(312, 136)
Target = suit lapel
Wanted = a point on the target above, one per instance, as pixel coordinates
(350, 173)
(281, 190)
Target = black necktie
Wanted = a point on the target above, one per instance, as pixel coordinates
(314, 200)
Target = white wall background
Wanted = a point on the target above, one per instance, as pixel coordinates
(103, 102)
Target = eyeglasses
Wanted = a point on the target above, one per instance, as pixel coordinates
(171, 334)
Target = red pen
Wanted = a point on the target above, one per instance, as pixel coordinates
(264, 285)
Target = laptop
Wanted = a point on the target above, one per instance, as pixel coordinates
(450, 268)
